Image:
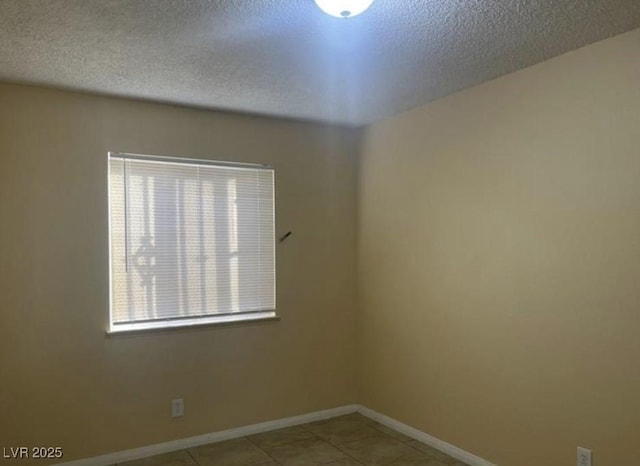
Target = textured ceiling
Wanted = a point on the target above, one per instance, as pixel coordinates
(286, 57)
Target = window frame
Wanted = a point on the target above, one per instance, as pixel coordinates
(161, 324)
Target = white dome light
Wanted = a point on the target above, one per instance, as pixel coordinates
(343, 8)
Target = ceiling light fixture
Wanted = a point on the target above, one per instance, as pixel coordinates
(343, 8)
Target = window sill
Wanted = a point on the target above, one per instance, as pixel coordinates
(184, 324)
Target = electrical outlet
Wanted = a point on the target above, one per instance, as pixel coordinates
(177, 408)
(584, 457)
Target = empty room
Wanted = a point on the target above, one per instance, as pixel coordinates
(320, 232)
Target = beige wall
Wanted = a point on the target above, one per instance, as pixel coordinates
(63, 382)
(499, 262)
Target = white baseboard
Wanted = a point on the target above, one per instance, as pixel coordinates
(451, 450)
(181, 444)
(174, 445)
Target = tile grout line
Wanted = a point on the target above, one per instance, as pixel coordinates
(317, 437)
(339, 446)
(304, 426)
(374, 425)
(368, 422)
(192, 457)
(286, 442)
(357, 460)
(263, 450)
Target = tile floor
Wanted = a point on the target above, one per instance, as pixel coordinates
(350, 440)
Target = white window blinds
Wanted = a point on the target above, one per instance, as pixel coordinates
(191, 242)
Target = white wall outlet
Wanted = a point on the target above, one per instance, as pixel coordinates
(584, 457)
(177, 408)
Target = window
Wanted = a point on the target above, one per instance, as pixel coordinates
(191, 242)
